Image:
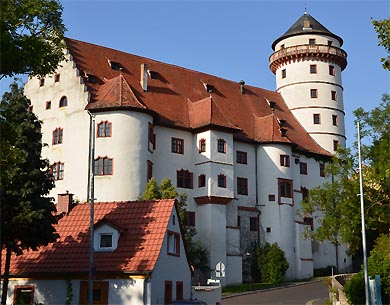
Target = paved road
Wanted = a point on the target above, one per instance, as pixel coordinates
(316, 292)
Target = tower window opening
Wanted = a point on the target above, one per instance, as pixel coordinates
(312, 41)
(284, 73)
(313, 93)
(331, 70)
(336, 145)
(330, 42)
(316, 118)
(313, 69)
(335, 120)
(333, 95)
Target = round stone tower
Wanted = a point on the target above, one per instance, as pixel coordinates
(308, 61)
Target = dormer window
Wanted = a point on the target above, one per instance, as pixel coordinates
(115, 65)
(106, 236)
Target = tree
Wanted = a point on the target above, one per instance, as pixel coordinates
(32, 35)
(27, 214)
(382, 27)
(197, 254)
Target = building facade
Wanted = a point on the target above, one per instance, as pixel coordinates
(245, 156)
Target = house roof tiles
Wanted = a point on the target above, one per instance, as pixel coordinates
(143, 225)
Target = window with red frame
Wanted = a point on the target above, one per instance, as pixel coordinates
(221, 146)
(104, 129)
(24, 294)
(242, 186)
(285, 160)
(57, 171)
(177, 145)
(285, 188)
(202, 145)
(184, 179)
(57, 136)
(103, 166)
(179, 291)
(241, 157)
(222, 181)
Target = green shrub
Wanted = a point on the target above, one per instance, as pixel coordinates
(272, 263)
(354, 289)
(324, 271)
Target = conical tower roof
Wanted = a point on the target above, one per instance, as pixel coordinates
(306, 24)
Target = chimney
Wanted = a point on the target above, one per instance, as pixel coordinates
(65, 203)
(242, 87)
(144, 77)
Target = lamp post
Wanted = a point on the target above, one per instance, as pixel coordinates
(248, 256)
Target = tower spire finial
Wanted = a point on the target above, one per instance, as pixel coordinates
(305, 8)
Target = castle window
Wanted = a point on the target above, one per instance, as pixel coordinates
(336, 145)
(271, 197)
(303, 168)
(190, 219)
(149, 173)
(222, 181)
(322, 170)
(104, 129)
(285, 188)
(305, 193)
(309, 221)
(57, 136)
(316, 118)
(48, 105)
(202, 145)
(63, 102)
(313, 93)
(173, 243)
(312, 41)
(241, 157)
(284, 73)
(285, 160)
(331, 70)
(184, 179)
(333, 95)
(41, 82)
(57, 171)
(151, 137)
(253, 224)
(56, 78)
(177, 146)
(313, 69)
(330, 43)
(335, 120)
(202, 180)
(242, 186)
(221, 146)
(103, 166)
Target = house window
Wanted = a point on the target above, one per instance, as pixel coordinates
(202, 180)
(284, 74)
(190, 219)
(202, 145)
(177, 145)
(241, 157)
(271, 197)
(313, 93)
(268, 229)
(104, 129)
(103, 166)
(63, 102)
(312, 41)
(57, 170)
(242, 186)
(333, 95)
(184, 179)
(316, 118)
(305, 193)
(303, 168)
(179, 291)
(253, 224)
(99, 294)
(336, 145)
(24, 294)
(309, 221)
(285, 188)
(221, 146)
(149, 170)
(173, 243)
(151, 137)
(313, 69)
(335, 120)
(48, 105)
(105, 240)
(56, 78)
(57, 136)
(41, 82)
(222, 181)
(331, 70)
(285, 160)
(322, 170)
(238, 221)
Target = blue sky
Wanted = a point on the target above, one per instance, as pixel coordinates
(232, 39)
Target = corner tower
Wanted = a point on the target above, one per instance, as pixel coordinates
(308, 61)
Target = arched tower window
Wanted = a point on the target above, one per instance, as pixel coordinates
(63, 102)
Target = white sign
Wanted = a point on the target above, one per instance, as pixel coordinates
(220, 270)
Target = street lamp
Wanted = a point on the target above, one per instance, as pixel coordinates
(248, 256)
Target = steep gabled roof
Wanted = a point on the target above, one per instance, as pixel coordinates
(180, 98)
(142, 227)
(306, 24)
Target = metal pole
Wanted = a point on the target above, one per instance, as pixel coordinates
(363, 221)
(91, 208)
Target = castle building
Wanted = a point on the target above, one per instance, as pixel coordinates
(245, 156)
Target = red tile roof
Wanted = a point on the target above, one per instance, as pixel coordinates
(142, 226)
(184, 98)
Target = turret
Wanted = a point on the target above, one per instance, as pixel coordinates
(308, 61)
